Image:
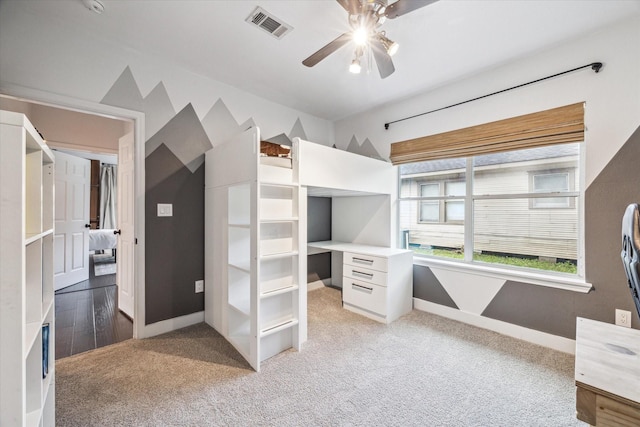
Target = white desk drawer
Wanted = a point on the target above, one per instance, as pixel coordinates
(365, 295)
(360, 260)
(365, 274)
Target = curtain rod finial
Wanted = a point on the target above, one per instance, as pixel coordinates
(386, 126)
(596, 66)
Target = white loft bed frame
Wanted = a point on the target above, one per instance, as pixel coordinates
(314, 170)
(330, 172)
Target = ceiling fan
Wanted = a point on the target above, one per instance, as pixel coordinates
(365, 19)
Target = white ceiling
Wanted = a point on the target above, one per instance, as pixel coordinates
(445, 41)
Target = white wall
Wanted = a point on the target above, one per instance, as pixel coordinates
(612, 97)
(612, 116)
(51, 56)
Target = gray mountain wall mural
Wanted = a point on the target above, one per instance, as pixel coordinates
(174, 173)
(365, 149)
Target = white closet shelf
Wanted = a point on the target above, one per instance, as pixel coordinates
(279, 291)
(279, 326)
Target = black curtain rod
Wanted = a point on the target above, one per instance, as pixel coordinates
(595, 66)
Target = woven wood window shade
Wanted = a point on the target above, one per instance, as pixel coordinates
(556, 126)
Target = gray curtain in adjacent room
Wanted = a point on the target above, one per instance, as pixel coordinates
(108, 196)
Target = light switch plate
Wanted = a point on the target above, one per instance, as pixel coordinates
(165, 209)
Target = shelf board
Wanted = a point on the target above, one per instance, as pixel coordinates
(279, 326)
(46, 383)
(241, 343)
(48, 305)
(33, 418)
(240, 225)
(279, 291)
(279, 184)
(279, 219)
(245, 268)
(279, 255)
(31, 331)
(241, 310)
(34, 237)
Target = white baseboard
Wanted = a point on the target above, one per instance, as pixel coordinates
(312, 286)
(169, 325)
(544, 339)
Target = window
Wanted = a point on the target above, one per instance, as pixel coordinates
(438, 207)
(549, 182)
(429, 210)
(516, 216)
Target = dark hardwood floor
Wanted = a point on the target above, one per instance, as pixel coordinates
(87, 315)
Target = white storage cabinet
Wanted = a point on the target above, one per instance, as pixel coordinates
(27, 389)
(378, 286)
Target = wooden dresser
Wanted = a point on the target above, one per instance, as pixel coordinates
(607, 374)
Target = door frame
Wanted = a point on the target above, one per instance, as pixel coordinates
(89, 107)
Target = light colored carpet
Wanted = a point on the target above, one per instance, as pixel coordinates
(421, 370)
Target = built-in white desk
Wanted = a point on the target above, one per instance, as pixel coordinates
(376, 282)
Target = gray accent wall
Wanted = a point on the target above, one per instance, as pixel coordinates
(427, 287)
(606, 199)
(174, 245)
(318, 229)
(554, 311)
(174, 149)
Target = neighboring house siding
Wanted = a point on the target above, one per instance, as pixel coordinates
(510, 224)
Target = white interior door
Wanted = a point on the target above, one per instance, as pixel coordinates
(71, 238)
(126, 238)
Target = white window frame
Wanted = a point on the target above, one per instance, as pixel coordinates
(442, 199)
(573, 282)
(568, 203)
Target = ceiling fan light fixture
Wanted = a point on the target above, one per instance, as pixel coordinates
(355, 67)
(389, 45)
(360, 36)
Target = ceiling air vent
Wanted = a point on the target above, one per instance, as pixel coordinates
(269, 23)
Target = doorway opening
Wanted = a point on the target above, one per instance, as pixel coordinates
(89, 308)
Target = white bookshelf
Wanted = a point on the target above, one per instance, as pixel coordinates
(252, 262)
(27, 396)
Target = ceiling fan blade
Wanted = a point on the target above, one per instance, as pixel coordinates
(351, 6)
(383, 60)
(402, 7)
(328, 49)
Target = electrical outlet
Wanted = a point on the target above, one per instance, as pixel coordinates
(623, 318)
(165, 209)
(199, 286)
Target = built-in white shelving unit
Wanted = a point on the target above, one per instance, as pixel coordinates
(252, 261)
(27, 370)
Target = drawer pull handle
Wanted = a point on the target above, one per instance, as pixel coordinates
(361, 288)
(362, 274)
(362, 260)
